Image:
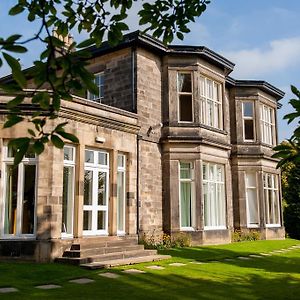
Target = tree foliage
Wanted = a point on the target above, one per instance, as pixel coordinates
(289, 151)
(61, 71)
(291, 198)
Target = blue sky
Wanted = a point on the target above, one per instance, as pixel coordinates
(261, 37)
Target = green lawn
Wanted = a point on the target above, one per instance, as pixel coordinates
(271, 277)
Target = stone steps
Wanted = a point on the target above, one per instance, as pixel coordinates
(101, 250)
(124, 261)
(107, 251)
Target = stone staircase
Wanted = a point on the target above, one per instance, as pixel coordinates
(105, 252)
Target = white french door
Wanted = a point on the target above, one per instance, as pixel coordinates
(96, 193)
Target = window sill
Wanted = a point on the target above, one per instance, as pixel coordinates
(253, 226)
(273, 225)
(18, 238)
(208, 228)
(187, 229)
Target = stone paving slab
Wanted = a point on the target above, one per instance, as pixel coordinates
(155, 267)
(48, 286)
(197, 262)
(228, 259)
(8, 290)
(265, 254)
(134, 271)
(177, 264)
(244, 258)
(255, 256)
(109, 275)
(82, 280)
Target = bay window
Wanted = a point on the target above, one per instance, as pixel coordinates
(186, 195)
(185, 96)
(211, 103)
(271, 199)
(213, 196)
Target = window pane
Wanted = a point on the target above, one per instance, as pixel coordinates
(87, 220)
(248, 109)
(184, 82)
(121, 161)
(102, 158)
(209, 89)
(68, 153)
(185, 108)
(186, 199)
(185, 171)
(101, 224)
(252, 206)
(249, 129)
(88, 188)
(10, 217)
(89, 156)
(102, 188)
(67, 209)
(28, 200)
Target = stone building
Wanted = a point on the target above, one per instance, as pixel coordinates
(170, 144)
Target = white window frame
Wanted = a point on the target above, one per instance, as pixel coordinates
(185, 93)
(275, 197)
(10, 161)
(71, 164)
(214, 183)
(248, 118)
(247, 187)
(216, 100)
(267, 125)
(95, 167)
(97, 98)
(193, 204)
(122, 169)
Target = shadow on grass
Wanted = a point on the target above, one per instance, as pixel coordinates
(280, 263)
(198, 285)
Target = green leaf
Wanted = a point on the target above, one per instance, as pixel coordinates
(31, 132)
(57, 141)
(16, 101)
(15, 10)
(16, 70)
(15, 48)
(68, 136)
(12, 120)
(21, 146)
(86, 43)
(38, 147)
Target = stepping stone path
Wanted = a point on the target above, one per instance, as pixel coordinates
(8, 290)
(82, 280)
(244, 258)
(48, 286)
(155, 267)
(177, 264)
(109, 275)
(134, 271)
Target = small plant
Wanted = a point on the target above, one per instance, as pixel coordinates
(165, 241)
(242, 236)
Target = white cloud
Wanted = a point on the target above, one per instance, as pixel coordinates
(280, 55)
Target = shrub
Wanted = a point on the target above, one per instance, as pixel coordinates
(242, 236)
(165, 241)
